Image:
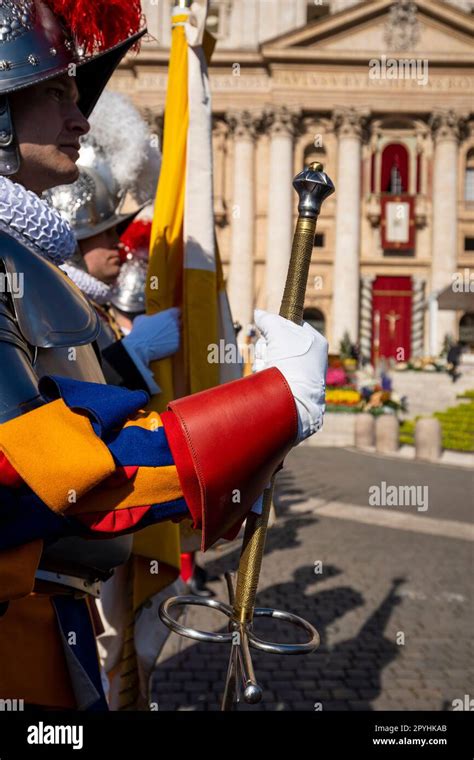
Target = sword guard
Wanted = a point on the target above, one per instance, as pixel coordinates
(254, 641)
(240, 673)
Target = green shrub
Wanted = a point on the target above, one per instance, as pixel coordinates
(457, 428)
(467, 394)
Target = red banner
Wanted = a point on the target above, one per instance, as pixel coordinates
(391, 318)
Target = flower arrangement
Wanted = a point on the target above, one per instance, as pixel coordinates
(342, 397)
(385, 402)
(336, 377)
(363, 390)
(374, 399)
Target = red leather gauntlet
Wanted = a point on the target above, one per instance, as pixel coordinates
(226, 443)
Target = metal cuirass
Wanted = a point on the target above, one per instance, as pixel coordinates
(48, 327)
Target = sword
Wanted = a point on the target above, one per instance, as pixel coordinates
(313, 187)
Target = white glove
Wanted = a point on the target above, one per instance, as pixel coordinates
(301, 355)
(151, 338)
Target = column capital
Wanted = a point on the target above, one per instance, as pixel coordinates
(219, 125)
(350, 122)
(422, 131)
(281, 120)
(243, 124)
(447, 125)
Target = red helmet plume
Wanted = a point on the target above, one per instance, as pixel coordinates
(98, 25)
(136, 238)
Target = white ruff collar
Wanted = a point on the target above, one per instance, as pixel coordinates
(29, 219)
(92, 287)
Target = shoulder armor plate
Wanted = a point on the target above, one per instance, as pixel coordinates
(51, 311)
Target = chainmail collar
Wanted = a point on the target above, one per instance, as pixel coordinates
(31, 221)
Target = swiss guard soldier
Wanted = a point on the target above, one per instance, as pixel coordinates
(82, 465)
(91, 209)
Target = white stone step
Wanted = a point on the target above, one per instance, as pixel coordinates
(429, 392)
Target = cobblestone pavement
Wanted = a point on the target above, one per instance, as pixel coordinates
(393, 606)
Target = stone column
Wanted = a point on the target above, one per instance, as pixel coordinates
(417, 316)
(446, 126)
(428, 439)
(220, 132)
(243, 125)
(386, 433)
(348, 124)
(365, 337)
(281, 123)
(433, 322)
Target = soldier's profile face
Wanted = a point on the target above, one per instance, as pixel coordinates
(48, 124)
(101, 255)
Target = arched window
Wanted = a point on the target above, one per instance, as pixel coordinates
(394, 169)
(466, 329)
(316, 319)
(469, 177)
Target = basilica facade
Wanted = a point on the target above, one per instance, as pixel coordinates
(381, 93)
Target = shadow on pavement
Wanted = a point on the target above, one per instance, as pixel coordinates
(345, 676)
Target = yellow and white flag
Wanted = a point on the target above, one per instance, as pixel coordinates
(184, 265)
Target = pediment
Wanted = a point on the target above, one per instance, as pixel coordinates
(362, 31)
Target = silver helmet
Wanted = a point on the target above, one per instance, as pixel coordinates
(88, 205)
(35, 45)
(128, 292)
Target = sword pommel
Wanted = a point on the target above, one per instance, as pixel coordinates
(313, 187)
